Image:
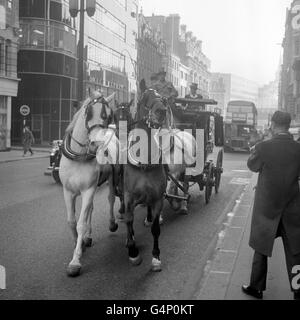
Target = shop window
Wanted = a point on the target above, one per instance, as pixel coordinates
(54, 63)
(46, 107)
(63, 127)
(65, 110)
(31, 61)
(54, 129)
(70, 67)
(55, 110)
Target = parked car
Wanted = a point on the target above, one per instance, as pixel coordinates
(55, 156)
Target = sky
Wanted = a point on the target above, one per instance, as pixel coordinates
(242, 37)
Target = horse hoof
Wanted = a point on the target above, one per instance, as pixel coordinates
(156, 265)
(113, 227)
(88, 242)
(136, 261)
(73, 270)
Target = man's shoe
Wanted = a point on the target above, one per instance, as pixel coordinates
(297, 295)
(252, 292)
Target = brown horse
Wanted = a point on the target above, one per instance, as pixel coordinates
(145, 184)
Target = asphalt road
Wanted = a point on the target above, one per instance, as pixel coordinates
(36, 244)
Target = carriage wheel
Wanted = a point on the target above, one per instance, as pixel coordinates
(209, 183)
(218, 171)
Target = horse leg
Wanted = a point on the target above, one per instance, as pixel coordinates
(121, 191)
(74, 267)
(70, 199)
(184, 204)
(122, 207)
(173, 190)
(113, 226)
(133, 251)
(155, 229)
(87, 240)
(148, 220)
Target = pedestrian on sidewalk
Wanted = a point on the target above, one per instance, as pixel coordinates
(276, 210)
(28, 140)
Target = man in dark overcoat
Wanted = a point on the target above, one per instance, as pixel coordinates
(276, 210)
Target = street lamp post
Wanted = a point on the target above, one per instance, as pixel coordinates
(74, 10)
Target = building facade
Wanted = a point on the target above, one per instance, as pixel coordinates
(9, 26)
(151, 50)
(267, 102)
(185, 54)
(289, 89)
(47, 63)
(111, 47)
(225, 87)
(184, 76)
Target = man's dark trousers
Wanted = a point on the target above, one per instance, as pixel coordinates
(259, 272)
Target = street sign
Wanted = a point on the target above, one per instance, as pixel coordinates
(24, 110)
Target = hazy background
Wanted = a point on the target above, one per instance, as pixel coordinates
(239, 36)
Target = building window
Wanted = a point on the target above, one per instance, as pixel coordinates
(103, 55)
(59, 11)
(56, 36)
(1, 57)
(122, 3)
(6, 54)
(32, 8)
(297, 47)
(110, 22)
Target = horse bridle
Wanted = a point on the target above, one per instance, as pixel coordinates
(147, 119)
(70, 154)
(103, 115)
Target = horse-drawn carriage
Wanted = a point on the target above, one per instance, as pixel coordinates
(88, 141)
(207, 129)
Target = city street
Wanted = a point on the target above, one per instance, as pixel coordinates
(36, 244)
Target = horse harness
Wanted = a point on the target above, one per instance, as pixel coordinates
(89, 154)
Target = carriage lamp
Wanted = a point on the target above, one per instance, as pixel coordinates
(74, 9)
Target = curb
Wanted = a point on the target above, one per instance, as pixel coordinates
(191, 289)
(219, 270)
(24, 159)
(42, 150)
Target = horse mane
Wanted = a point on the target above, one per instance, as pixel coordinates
(76, 116)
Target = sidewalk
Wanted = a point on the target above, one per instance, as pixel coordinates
(16, 154)
(230, 266)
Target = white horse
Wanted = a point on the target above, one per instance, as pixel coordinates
(179, 155)
(80, 171)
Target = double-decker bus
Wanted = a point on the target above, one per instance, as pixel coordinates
(240, 126)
